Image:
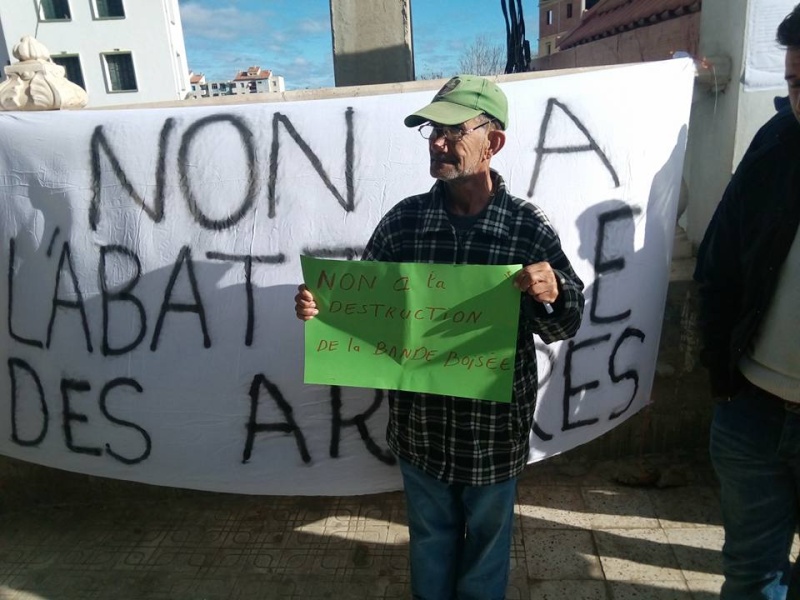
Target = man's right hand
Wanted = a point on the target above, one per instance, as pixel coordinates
(304, 305)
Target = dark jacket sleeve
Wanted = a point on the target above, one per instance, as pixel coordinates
(718, 263)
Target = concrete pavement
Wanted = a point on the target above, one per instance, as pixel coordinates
(580, 535)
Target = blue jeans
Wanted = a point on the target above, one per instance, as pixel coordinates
(460, 537)
(755, 449)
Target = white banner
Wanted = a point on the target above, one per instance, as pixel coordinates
(150, 258)
(763, 61)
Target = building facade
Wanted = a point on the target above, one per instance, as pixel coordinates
(119, 51)
(556, 18)
(624, 31)
(254, 80)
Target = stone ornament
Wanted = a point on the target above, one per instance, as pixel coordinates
(37, 83)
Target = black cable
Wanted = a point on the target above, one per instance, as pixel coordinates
(518, 49)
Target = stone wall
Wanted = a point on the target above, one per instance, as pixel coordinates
(654, 42)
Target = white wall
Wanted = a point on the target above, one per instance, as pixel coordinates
(723, 124)
(178, 47)
(151, 31)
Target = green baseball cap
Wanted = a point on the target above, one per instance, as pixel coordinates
(462, 98)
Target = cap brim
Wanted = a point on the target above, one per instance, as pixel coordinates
(444, 113)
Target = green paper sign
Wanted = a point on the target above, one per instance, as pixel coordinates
(441, 329)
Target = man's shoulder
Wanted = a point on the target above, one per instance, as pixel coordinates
(413, 203)
(521, 204)
(418, 199)
(767, 168)
(779, 134)
(410, 207)
(523, 209)
(782, 122)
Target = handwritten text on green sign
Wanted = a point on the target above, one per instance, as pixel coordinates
(441, 329)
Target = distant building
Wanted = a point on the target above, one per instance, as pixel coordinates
(254, 80)
(196, 79)
(119, 51)
(200, 88)
(257, 81)
(625, 31)
(557, 17)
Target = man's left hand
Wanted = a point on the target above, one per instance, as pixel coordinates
(538, 280)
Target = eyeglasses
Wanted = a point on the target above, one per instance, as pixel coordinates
(452, 134)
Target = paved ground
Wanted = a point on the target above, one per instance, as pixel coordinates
(580, 536)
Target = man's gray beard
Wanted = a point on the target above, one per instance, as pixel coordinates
(453, 174)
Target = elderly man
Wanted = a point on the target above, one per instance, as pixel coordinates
(460, 457)
(748, 268)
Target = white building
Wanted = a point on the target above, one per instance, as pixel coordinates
(119, 51)
(254, 80)
(200, 88)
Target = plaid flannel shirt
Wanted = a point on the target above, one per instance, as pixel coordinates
(462, 440)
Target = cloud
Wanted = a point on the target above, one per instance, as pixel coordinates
(226, 23)
(314, 26)
(225, 36)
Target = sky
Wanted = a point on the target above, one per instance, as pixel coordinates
(293, 37)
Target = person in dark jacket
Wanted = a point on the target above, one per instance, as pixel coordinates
(748, 268)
